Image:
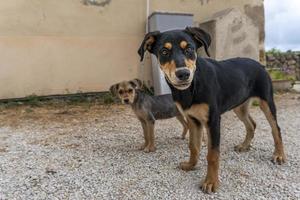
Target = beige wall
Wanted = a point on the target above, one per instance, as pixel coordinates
(59, 47)
(233, 34)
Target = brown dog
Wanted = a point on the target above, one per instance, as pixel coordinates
(147, 109)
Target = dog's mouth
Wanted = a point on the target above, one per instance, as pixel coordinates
(126, 101)
(178, 84)
(182, 85)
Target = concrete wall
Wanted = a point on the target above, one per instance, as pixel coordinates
(59, 47)
(233, 35)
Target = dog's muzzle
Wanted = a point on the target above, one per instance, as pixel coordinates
(183, 74)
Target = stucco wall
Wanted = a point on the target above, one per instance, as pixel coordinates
(59, 47)
(233, 34)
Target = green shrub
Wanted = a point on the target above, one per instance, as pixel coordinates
(280, 75)
(274, 51)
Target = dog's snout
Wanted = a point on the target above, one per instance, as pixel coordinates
(183, 74)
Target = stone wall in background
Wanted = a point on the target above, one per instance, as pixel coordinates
(287, 62)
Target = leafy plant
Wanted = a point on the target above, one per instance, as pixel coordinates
(32, 100)
(277, 75)
(255, 103)
(280, 75)
(274, 51)
(108, 98)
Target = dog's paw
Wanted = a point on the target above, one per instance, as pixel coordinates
(209, 185)
(149, 149)
(186, 166)
(142, 147)
(241, 148)
(278, 158)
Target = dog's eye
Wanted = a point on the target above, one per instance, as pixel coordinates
(164, 52)
(130, 90)
(121, 92)
(189, 50)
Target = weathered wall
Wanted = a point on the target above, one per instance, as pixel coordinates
(54, 47)
(250, 12)
(60, 47)
(233, 34)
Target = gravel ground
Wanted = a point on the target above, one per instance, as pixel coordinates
(90, 152)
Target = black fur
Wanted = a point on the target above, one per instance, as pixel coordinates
(223, 85)
(220, 85)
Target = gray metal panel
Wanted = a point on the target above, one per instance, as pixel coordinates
(159, 21)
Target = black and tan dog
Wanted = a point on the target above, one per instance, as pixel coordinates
(203, 89)
(147, 109)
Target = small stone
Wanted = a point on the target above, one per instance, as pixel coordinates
(291, 62)
(270, 57)
(50, 171)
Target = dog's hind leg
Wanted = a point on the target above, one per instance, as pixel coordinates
(269, 109)
(242, 113)
(184, 125)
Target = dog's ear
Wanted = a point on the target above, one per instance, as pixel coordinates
(113, 89)
(200, 36)
(136, 83)
(148, 43)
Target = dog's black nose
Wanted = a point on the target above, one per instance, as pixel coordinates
(183, 74)
(126, 100)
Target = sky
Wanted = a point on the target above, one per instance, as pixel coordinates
(282, 24)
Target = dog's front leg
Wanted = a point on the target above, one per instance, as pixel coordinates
(196, 133)
(150, 121)
(146, 136)
(211, 182)
(184, 124)
(151, 146)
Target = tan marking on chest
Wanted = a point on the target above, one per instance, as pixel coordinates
(179, 108)
(199, 111)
